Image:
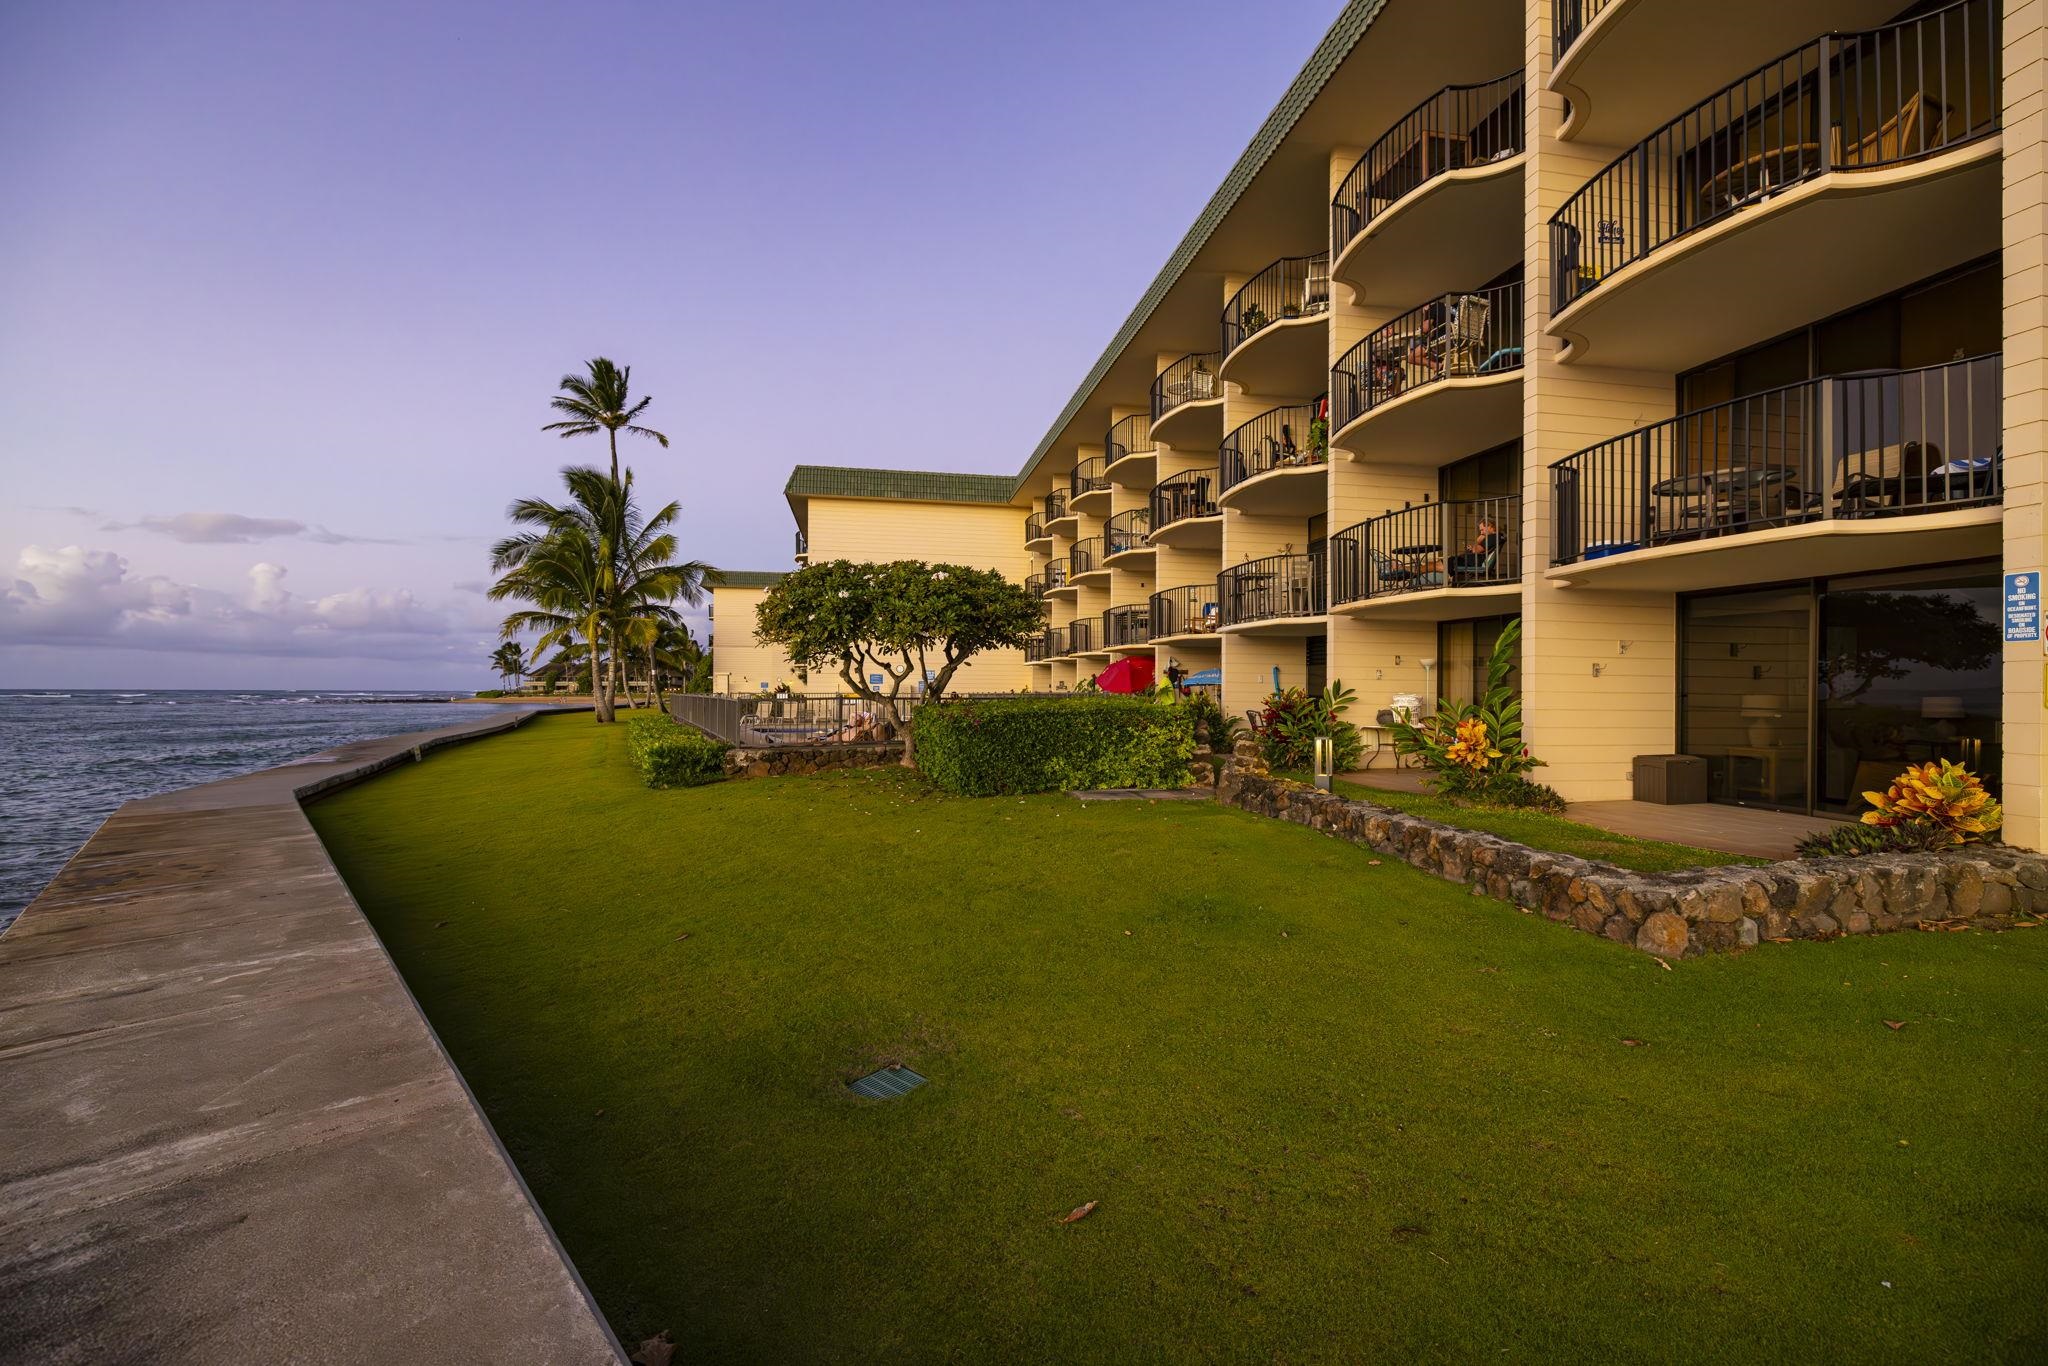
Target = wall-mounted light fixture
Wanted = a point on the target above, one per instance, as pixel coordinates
(1596, 670)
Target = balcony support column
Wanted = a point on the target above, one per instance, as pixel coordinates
(1597, 665)
(2025, 84)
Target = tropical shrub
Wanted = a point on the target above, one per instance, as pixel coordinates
(669, 754)
(1294, 719)
(1940, 796)
(1474, 751)
(489, 692)
(1856, 840)
(984, 746)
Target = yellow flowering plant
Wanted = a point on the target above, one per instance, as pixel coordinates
(1940, 794)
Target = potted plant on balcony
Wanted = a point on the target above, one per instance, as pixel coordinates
(1290, 310)
(1252, 319)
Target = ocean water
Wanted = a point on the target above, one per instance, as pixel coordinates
(67, 759)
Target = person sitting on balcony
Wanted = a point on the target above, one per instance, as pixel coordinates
(1425, 348)
(1476, 560)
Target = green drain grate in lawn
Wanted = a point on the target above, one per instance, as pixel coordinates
(886, 1084)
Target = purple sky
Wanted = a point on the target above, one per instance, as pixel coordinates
(284, 290)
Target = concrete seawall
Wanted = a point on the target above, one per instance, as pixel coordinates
(226, 1131)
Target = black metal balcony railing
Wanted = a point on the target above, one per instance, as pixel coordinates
(1181, 497)
(1457, 336)
(1190, 379)
(1034, 527)
(1034, 584)
(803, 545)
(1055, 574)
(1190, 610)
(1292, 287)
(1055, 505)
(1845, 102)
(1471, 543)
(1130, 624)
(1058, 642)
(1572, 18)
(1127, 531)
(1081, 636)
(1279, 438)
(1457, 127)
(1038, 647)
(1086, 557)
(1132, 436)
(1087, 478)
(1873, 445)
(1275, 587)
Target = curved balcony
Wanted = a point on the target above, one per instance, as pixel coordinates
(1432, 562)
(1274, 338)
(1084, 563)
(1128, 456)
(1081, 637)
(1435, 384)
(1274, 464)
(1034, 584)
(1058, 642)
(1060, 519)
(1058, 582)
(1088, 486)
(1034, 530)
(1850, 167)
(1127, 539)
(1184, 511)
(1827, 476)
(1187, 402)
(1188, 613)
(1277, 595)
(1437, 199)
(1604, 47)
(1128, 627)
(1038, 649)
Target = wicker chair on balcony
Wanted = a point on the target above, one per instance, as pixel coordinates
(1465, 341)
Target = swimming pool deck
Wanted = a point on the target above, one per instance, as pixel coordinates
(230, 1133)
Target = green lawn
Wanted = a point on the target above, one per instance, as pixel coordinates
(1332, 1109)
(1541, 830)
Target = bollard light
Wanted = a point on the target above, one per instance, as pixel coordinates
(1326, 757)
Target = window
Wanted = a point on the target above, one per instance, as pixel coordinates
(1463, 650)
(1952, 317)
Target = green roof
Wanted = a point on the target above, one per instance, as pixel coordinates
(1322, 64)
(922, 486)
(747, 578)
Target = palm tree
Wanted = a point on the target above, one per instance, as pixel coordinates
(509, 660)
(593, 565)
(601, 401)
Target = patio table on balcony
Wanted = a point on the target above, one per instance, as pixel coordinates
(1720, 498)
(1757, 174)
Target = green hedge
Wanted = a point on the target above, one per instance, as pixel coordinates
(1053, 744)
(490, 692)
(672, 755)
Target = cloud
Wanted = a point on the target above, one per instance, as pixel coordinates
(232, 528)
(76, 596)
(480, 587)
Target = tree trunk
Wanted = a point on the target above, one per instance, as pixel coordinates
(600, 700)
(654, 678)
(613, 433)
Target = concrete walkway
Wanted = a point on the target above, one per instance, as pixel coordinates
(226, 1131)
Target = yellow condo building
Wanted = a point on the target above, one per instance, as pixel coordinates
(1707, 340)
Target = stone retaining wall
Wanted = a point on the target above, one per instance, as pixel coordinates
(1680, 914)
(779, 761)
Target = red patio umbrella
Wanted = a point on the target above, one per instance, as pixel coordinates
(1133, 673)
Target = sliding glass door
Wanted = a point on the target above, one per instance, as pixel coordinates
(1745, 700)
(1909, 671)
(1806, 696)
